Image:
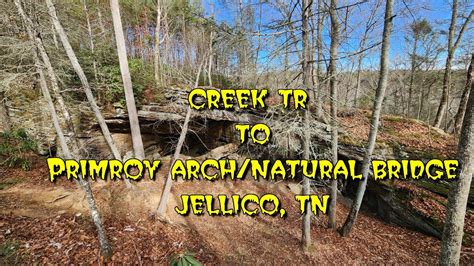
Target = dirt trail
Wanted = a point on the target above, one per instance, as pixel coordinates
(49, 223)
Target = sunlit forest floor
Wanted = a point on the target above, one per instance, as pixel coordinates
(48, 223)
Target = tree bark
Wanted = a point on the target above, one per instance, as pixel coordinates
(157, 56)
(319, 56)
(127, 81)
(160, 211)
(4, 118)
(379, 95)
(332, 84)
(464, 98)
(91, 39)
(412, 75)
(209, 70)
(456, 209)
(99, 15)
(452, 45)
(55, 40)
(306, 70)
(105, 247)
(85, 84)
(447, 70)
(36, 38)
(358, 78)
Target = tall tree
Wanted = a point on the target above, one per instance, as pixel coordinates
(456, 209)
(418, 31)
(306, 71)
(105, 247)
(464, 99)
(210, 60)
(52, 76)
(127, 81)
(317, 44)
(452, 45)
(319, 57)
(377, 108)
(165, 194)
(85, 83)
(369, 26)
(91, 38)
(333, 50)
(156, 48)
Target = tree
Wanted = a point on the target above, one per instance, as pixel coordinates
(91, 39)
(209, 61)
(165, 194)
(332, 85)
(418, 30)
(156, 48)
(427, 55)
(377, 108)
(85, 83)
(456, 209)
(464, 99)
(105, 247)
(127, 81)
(52, 76)
(4, 119)
(452, 45)
(369, 26)
(319, 57)
(306, 71)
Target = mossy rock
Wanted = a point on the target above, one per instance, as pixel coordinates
(443, 188)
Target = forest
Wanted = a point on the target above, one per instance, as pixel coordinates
(166, 81)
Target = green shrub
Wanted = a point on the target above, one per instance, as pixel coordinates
(14, 148)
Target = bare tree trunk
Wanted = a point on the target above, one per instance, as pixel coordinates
(35, 36)
(55, 40)
(319, 57)
(78, 69)
(127, 82)
(99, 15)
(306, 70)
(424, 97)
(358, 77)
(412, 77)
(306, 229)
(452, 45)
(379, 95)
(456, 209)
(209, 73)
(4, 118)
(91, 39)
(160, 211)
(312, 53)
(464, 98)
(332, 85)
(166, 40)
(447, 70)
(157, 57)
(420, 104)
(368, 28)
(105, 247)
(259, 30)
